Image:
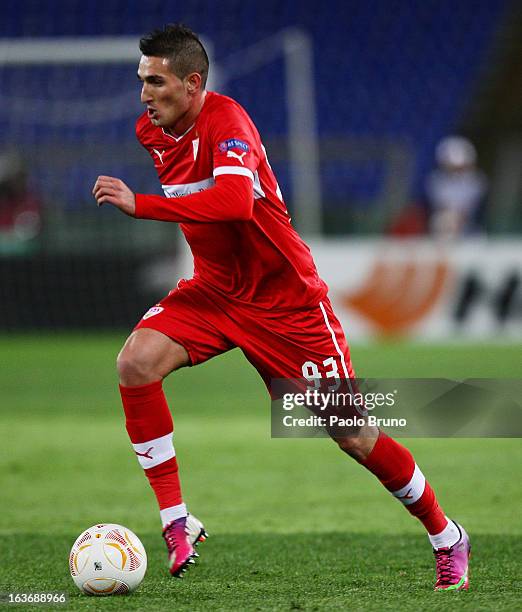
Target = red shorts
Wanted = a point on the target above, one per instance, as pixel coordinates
(279, 344)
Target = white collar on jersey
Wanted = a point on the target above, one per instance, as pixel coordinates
(177, 138)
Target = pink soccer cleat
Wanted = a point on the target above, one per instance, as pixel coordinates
(196, 531)
(181, 551)
(452, 564)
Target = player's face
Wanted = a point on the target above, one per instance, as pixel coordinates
(165, 95)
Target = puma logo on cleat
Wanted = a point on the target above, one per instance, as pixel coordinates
(240, 157)
(146, 453)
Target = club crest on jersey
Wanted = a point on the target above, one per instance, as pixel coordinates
(233, 143)
(153, 311)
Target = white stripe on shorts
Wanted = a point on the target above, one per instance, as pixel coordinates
(336, 344)
(360, 409)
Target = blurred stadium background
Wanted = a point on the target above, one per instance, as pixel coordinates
(351, 99)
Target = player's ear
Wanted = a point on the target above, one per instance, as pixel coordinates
(193, 81)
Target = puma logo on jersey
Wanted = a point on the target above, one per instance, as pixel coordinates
(240, 157)
(159, 154)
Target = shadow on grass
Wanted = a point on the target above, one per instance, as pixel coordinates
(313, 571)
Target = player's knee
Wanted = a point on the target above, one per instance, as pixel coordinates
(352, 445)
(359, 443)
(148, 356)
(134, 369)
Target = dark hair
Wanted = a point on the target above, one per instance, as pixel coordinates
(181, 46)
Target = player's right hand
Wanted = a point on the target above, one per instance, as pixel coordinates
(110, 190)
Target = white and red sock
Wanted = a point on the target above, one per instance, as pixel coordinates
(150, 428)
(394, 466)
(447, 537)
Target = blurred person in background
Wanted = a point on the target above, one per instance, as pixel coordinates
(455, 191)
(20, 208)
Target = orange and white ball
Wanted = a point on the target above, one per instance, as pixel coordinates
(107, 559)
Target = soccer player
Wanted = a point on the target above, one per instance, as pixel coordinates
(255, 287)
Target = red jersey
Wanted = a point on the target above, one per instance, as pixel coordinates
(261, 260)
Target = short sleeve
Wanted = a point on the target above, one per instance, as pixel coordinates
(235, 148)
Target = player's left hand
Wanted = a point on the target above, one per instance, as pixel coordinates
(110, 190)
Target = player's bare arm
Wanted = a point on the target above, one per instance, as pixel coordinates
(110, 190)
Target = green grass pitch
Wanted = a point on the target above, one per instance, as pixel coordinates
(294, 524)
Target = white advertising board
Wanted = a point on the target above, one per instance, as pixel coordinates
(422, 289)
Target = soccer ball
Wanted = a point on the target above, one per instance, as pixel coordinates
(107, 559)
